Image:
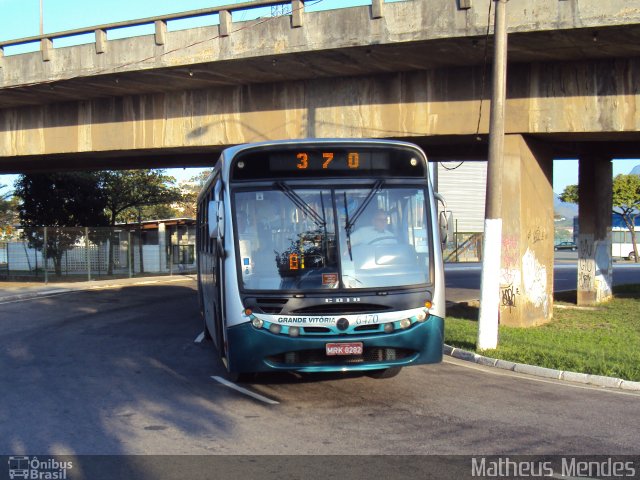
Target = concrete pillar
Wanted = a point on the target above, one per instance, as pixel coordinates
(595, 267)
(162, 246)
(526, 273)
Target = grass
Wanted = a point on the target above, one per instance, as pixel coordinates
(601, 341)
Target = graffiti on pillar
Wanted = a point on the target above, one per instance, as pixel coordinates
(537, 234)
(508, 296)
(510, 273)
(586, 262)
(585, 281)
(534, 281)
(509, 276)
(509, 251)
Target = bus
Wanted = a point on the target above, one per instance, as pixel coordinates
(293, 273)
(622, 242)
(621, 238)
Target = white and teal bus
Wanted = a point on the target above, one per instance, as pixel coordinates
(321, 255)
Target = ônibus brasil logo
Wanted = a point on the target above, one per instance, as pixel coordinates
(36, 469)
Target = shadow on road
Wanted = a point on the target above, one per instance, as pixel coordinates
(94, 373)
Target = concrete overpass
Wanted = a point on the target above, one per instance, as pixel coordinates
(413, 70)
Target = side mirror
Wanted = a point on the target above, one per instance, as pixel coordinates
(216, 218)
(445, 220)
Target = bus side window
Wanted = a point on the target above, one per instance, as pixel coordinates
(209, 239)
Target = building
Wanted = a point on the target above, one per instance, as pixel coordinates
(154, 246)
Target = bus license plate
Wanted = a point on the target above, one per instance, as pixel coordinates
(344, 348)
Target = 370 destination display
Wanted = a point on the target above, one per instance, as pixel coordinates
(319, 161)
(344, 161)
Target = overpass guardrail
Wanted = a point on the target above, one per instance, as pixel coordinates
(296, 11)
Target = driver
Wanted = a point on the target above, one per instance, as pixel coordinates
(378, 232)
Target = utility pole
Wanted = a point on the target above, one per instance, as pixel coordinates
(490, 286)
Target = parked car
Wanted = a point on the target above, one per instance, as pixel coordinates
(566, 246)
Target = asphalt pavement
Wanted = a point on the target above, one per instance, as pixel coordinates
(19, 291)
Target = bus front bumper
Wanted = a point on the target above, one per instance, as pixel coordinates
(258, 350)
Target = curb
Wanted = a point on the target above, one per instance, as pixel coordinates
(87, 286)
(43, 293)
(585, 378)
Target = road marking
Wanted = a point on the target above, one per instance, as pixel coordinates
(533, 378)
(238, 388)
(199, 338)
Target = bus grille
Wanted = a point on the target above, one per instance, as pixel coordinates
(271, 305)
(319, 357)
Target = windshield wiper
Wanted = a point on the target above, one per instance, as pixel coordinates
(350, 222)
(348, 225)
(299, 202)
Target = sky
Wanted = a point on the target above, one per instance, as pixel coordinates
(21, 18)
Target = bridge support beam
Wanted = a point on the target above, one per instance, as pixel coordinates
(595, 267)
(526, 274)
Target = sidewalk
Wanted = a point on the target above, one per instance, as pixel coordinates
(13, 291)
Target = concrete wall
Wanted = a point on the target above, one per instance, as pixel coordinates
(588, 97)
(338, 30)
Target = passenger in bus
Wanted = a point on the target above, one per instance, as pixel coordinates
(377, 233)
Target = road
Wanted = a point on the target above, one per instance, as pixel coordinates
(117, 372)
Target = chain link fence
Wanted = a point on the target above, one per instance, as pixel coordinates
(66, 254)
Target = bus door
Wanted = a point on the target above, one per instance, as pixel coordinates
(217, 328)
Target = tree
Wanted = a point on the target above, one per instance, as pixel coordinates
(570, 194)
(626, 202)
(8, 213)
(190, 191)
(59, 201)
(132, 190)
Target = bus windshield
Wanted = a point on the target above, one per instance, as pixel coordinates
(295, 238)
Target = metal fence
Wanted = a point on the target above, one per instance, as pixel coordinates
(464, 247)
(67, 254)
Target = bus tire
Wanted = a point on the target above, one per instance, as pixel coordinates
(241, 377)
(385, 373)
(207, 333)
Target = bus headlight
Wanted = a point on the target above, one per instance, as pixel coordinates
(405, 323)
(275, 328)
(294, 331)
(388, 327)
(421, 316)
(256, 322)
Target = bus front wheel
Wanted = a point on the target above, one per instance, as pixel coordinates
(243, 377)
